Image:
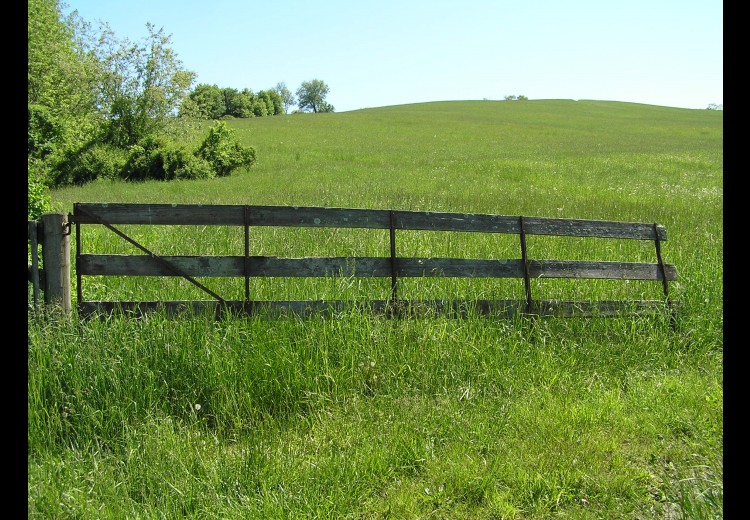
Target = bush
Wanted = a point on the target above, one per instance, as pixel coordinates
(105, 160)
(91, 162)
(146, 160)
(180, 163)
(155, 157)
(223, 152)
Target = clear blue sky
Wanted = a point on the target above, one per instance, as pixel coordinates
(391, 52)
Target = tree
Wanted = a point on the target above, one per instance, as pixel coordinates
(287, 98)
(143, 84)
(236, 103)
(60, 77)
(273, 101)
(312, 96)
(204, 102)
(61, 95)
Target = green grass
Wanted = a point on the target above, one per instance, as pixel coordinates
(364, 417)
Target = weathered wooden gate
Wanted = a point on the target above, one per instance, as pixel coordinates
(390, 265)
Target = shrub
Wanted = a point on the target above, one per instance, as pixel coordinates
(223, 152)
(180, 163)
(105, 160)
(91, 162)
(146, 160)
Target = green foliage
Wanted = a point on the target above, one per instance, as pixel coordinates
(204, 102)
(61, 95)
(93, 96)
(287, 98)
(180, 163)
(516, 98)
(144, 86)
(158, 159)
(236, 103)
(38, 196)
(212, 102)
(312, 96)
(223, 152)
(326, 107)
(273, 100)
(146, 160)
(88, 163)
(44, 132)
(59, 73)
(155, 157)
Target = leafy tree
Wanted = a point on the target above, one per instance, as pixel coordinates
(273, 101)
(236, 103)
(311, 95)
(245, 103)
(143, 84)
(61, 94)
(204, 102)
(287, 98)
(60, 76)
(38, 198)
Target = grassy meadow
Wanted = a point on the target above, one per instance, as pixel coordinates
(364, 417)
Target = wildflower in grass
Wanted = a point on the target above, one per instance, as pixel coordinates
(197, 407)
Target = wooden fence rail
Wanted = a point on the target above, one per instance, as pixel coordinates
(390, 265)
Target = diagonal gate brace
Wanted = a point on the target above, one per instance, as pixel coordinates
(154, 256)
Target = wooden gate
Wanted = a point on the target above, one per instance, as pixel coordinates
(389, 265)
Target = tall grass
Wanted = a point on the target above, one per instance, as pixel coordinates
(359, 416)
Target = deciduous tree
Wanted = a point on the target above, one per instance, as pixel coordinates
(311, 95)
(287, 98)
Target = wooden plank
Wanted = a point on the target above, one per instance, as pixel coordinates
(401, 308)
(199, 214)
(230, 215)
(593, 228)
(532, 225)
(600, 270)
(318, 217)
(268, 266)
(161, 214)
(56, 260)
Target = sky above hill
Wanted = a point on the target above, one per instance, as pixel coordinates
(392, 52)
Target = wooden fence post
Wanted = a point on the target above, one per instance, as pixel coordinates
(34, 265)
(56, 259)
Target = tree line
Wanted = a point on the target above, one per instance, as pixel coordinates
(104, 107)
(212, 102)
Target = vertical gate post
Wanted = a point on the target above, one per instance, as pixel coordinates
(56, 259)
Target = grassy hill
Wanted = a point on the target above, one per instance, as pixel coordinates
(361, 417)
